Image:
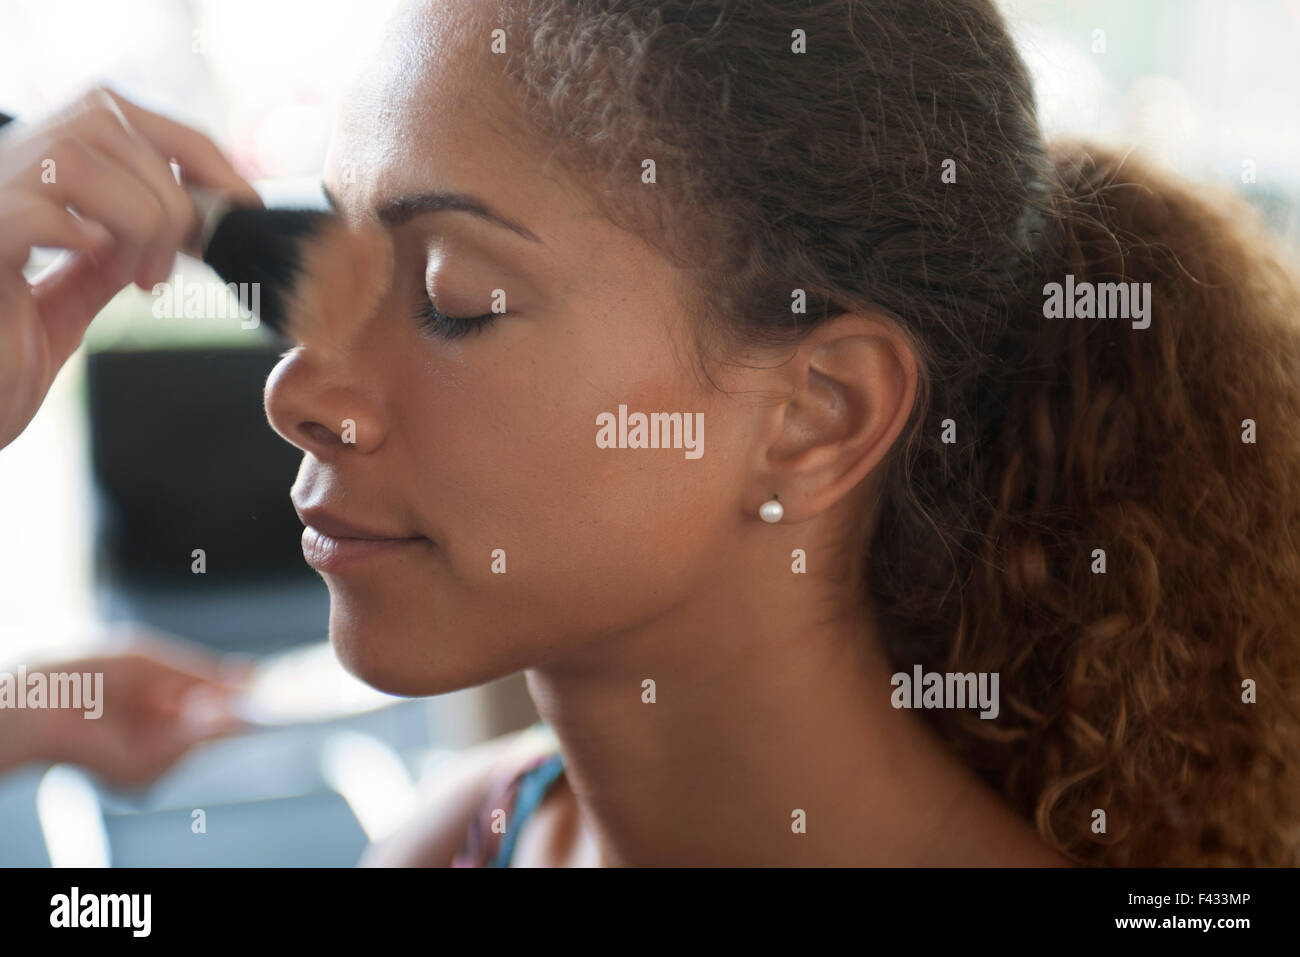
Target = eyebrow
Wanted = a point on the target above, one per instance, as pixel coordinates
(395, 212)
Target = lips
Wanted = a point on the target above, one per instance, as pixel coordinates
(334, 526)
(333, 544)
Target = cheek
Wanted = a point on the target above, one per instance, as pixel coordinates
(509, 459)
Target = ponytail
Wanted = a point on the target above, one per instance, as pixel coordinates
(1129, 560)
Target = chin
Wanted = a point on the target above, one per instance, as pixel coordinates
(396, 656)
(362, 664)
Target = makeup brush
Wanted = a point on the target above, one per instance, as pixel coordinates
(250, 244)
(313, 266)
(264, 248)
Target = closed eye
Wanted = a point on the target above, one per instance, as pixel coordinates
(451, 327)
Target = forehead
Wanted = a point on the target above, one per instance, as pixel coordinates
(433, 110)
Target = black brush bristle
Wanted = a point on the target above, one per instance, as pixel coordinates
(265, 246)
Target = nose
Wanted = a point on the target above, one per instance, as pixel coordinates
(312, 405)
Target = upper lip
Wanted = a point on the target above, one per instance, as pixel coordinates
(335, 527)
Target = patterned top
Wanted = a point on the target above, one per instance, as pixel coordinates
(518, 795)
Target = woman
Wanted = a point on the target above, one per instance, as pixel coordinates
(827, 237)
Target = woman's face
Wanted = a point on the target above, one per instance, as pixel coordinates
(483, 448)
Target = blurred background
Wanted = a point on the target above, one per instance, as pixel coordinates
(153, 443)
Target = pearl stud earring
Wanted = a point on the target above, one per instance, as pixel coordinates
(771, 511)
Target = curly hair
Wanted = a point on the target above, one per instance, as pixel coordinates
(1105, 532)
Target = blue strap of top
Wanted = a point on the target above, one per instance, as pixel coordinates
(532, 789)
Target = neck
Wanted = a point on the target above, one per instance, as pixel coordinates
(766, 709)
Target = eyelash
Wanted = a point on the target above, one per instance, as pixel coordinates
(451, 327)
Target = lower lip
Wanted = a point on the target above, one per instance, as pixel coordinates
(327, 554)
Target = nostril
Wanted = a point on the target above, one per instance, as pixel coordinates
(318, 434)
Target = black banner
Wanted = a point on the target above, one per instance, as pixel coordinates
(1148, 907)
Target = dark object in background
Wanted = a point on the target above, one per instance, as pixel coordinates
(183, 459)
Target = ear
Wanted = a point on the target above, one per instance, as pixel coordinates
(848, 390)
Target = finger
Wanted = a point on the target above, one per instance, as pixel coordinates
(238, 671)
(173, 657)
(73, 293)
(100, 187)
(208, 713)
(108, 130)
(46, 224)
(201, 161)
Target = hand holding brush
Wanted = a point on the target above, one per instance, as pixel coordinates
(95, 179)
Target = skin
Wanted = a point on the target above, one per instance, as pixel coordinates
(160, 699)
(622, 564)
(92, 179)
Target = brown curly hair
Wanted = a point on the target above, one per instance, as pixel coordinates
(823, 171)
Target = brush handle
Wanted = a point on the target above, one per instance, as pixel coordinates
(212, 207)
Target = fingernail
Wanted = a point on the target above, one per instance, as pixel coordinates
(204, 710)
(95, 233)
(238, 671)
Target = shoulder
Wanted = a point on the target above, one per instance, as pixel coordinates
(455, 794)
